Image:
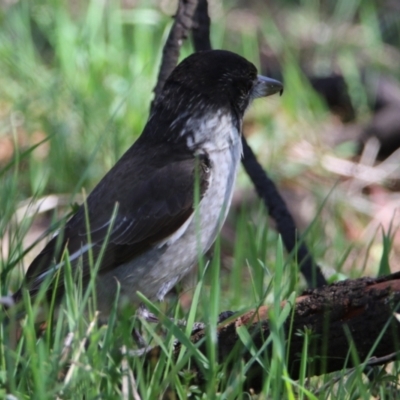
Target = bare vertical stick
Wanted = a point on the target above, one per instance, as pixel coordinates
(278, 210)
(179, 32)
(201, 27)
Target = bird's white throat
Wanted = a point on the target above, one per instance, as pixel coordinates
(215, 133)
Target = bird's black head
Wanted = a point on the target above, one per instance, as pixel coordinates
(220, 78)
(223, 78)
(217, 78)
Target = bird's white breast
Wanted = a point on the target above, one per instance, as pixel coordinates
(224, 150)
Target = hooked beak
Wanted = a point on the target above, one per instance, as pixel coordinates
(266, 87)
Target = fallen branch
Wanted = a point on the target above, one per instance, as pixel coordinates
(358, 312)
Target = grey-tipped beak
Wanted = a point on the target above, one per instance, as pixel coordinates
(266, 87)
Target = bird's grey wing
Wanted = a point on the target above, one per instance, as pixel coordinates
(146, 214)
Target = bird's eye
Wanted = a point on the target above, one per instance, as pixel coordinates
(246, 87)
(243, 86)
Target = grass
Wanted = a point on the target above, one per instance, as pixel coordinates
(76, 86)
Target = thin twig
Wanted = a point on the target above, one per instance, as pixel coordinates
(128, 379)
(67, 347)
(373, 361)
(82, 344)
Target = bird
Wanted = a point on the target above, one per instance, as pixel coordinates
(164, 202)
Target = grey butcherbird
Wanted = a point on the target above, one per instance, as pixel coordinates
(193, 135)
